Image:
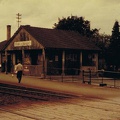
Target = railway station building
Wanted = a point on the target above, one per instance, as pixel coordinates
(44, 51)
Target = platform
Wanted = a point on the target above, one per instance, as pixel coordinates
(53, 85)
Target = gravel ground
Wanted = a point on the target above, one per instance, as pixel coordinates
(11, 100)
(71, 109)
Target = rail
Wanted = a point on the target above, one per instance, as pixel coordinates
(32, 93)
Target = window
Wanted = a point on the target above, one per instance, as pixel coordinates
(71, 57)
(88, 59)
(27, 59)
(34, 57)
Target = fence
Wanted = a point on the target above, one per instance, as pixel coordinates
(70, 75)
(103, 78)
(100, 77)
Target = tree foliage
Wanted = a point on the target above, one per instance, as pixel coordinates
(114, 48)
(75, 23)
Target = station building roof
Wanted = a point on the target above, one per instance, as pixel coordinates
(54, 38)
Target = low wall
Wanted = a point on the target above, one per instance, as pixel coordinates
(31, 70)
(35, 70)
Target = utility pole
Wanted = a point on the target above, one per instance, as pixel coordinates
(18, 18)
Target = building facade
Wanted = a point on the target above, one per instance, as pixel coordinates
(48, 52)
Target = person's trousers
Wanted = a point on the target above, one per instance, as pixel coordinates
(19, 76)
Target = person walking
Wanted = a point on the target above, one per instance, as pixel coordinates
(19, 69)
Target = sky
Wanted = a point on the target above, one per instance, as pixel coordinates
(102, 14)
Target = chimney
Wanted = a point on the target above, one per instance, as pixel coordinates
(8, 32)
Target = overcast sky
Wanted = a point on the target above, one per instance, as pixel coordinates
(44, 13)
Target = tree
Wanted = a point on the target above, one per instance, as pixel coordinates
(74, 23)
(114, 48)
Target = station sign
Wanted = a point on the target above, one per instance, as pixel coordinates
(22, 43)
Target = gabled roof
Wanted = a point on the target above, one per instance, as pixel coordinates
(53, 38)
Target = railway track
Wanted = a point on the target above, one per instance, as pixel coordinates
(32, 93)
